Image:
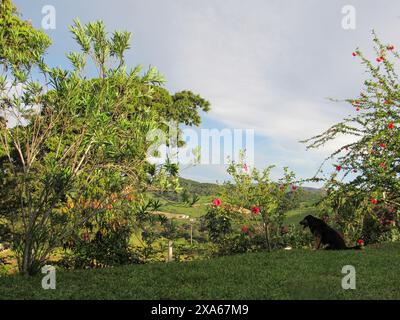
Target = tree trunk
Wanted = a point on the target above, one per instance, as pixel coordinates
(26, 267)
(266, 228)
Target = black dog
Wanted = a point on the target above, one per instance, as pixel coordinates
(325, 235)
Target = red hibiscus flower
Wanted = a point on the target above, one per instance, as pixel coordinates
(245, 229)
(391, 125)
(360, 242)
(354, 54)
(374, 201)
(255, 210)
(382, 145)
(217, 202)
(338, 168)
(294, 188)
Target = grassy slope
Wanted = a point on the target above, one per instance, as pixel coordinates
(296, 215)
(298, 274)
(208, 191)
(179, 208)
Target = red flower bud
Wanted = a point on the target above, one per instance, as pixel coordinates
(217, 202)
(374, 201)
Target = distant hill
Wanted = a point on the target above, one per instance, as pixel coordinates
(213, 189)
(200, 188)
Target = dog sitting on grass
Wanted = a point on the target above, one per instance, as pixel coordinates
(325, 235)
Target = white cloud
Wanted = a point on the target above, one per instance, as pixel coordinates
(267, 65)
(271, 66)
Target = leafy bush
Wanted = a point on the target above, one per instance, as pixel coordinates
(294, 237)
(381, 225)
(267, 199)
(364, 182)
(109, 247)
(218, 221)
(238, 230)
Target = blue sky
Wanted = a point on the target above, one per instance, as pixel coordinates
(264, 65)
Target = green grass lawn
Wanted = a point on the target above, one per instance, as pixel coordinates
(297, 274)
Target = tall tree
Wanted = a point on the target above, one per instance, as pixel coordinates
(69, 139)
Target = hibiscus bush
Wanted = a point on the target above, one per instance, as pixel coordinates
(266, 199)
(238, 230)
(252, 216)
(366, 171)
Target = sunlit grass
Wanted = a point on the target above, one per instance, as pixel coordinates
(296, 274)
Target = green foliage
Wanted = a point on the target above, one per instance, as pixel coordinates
(367, 170)
(21, 45)
(189, 200)
(195, 198)
(218, 222)
(78, 142)
(182, 107)
(254, 189)
(106, 239)
(185, 197)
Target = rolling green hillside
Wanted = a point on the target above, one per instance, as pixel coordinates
(172, 204)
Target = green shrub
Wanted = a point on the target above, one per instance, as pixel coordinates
(381, 225)
(108, 246)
